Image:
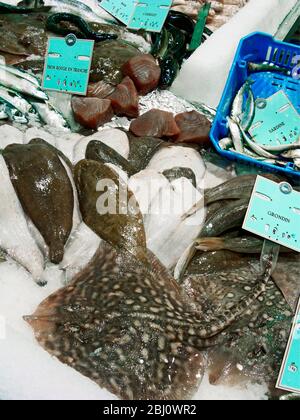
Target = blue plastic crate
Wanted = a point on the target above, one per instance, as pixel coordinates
(258, 47)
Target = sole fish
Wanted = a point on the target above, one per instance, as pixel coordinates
(45, 191)
(15, 237)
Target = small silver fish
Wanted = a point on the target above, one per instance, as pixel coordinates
(20, 73)
(14, 114)
(238, 103)
(236, 135)
(3, 113)
(51, 116)
(255, 147)
(20, 84)
(249, 113)
(12, 98)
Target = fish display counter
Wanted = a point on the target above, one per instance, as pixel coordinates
(149, 205)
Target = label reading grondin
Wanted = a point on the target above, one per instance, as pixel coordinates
(274, 213)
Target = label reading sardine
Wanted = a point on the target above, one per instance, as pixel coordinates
(149, 15)
(274, 213)
(276, 121)
(67, 65)
(289, 378)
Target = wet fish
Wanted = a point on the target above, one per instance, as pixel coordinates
(257, 342)
(265, 67)
(15, 115)
(236, 136)
(113, 215)
(286, 278)
(20, 73)
(142, 150)
(45, 191)
(92, 112)
(108, 59)
(13, 99)
(15, 237)
(239, 187)
(229, 217)
(125, 100)
(194, 128)
(248, 114)
(100, 152)
(125, 324)
(21, 85)
(243, 245)
(254, 146)
(51, 116)
(238, 103)
(144, 72)
(177, 173)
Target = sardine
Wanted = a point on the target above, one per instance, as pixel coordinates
(238, 103)
(22, 74)
(15, 115)
(51, 116)
(255, 147)
(236, 135)
(13, 99)
(265, 67)
(20, 84)
(3, 113)
(248, 115)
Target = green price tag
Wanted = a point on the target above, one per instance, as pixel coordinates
(289, 378)
(274, 213)
(149, 15)
(276, 121)
(67, 65)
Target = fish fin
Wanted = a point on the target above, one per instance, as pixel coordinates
(210, 244)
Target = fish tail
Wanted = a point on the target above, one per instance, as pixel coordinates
(212, 329)
(210, 244)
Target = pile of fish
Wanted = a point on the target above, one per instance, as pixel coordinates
(23, 101)
(219, 267)
(241, 119)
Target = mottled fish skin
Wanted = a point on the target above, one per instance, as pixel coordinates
(45, 192)
(123, 229)
(128, 327)
(257, 342)
(100, 152)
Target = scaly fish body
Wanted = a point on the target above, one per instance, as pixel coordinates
(227, 218)
(257, 342)
(20, 73)
(123, 321)
(13, 99)
(236, 135)
(238, 103)
(51, 116)
(21, 84)
(127, 326)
